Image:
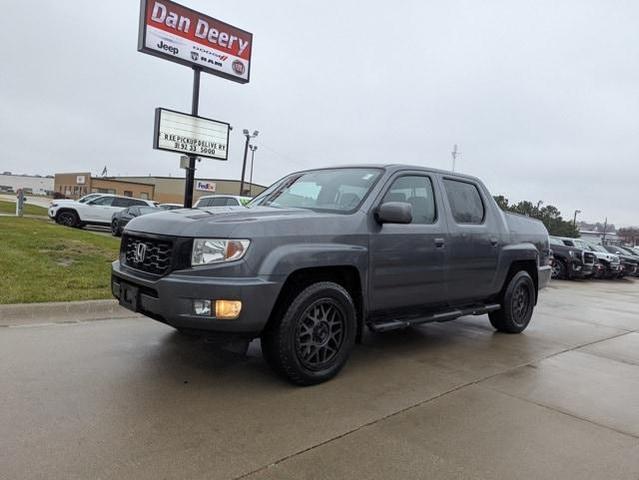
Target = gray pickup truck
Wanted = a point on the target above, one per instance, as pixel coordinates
(323, 253)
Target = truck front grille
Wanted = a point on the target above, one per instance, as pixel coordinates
(152, 255)
(589, 258)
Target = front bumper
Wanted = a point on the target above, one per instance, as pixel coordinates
(169, 299)
(580, 270)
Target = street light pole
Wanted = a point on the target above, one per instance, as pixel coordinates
(253, 148)
(574, 218)
(246, 147)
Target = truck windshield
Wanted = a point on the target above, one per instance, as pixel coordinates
(337, 190)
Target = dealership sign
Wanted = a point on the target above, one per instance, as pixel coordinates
(204, 186)
(177, 33)
(190, 134)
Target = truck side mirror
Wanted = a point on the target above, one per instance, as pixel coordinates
(394, 212)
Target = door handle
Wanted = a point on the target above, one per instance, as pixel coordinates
(439, 242)
(494, 241)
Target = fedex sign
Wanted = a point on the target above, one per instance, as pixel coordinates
(177, 33)
(204, 186)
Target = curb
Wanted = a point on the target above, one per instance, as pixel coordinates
(56, 312)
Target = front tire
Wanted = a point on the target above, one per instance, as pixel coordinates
(517, 305)
(559, 270)
(310, 340)
(68, 218)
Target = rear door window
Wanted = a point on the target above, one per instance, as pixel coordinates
(121, 202)
(465, 201)
(102, 201)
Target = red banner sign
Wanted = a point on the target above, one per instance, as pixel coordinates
(182, 35)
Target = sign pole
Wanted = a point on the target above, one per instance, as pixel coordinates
(190, 171)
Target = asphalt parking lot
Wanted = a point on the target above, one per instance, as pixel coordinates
(130, 398)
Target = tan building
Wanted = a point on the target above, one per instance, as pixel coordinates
(160, 189)
(75, 185)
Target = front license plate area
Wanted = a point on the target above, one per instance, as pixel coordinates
(129, 296)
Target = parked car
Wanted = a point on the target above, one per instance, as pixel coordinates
(121, 218)
(170, 206)
(95, 211)
(570, 262)
(323, 253)
(629, 261)
(608, 265)
(221, 201)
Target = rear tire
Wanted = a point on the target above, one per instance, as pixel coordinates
(311, 338)
(115, 229)
(68, 218)
(517, 305)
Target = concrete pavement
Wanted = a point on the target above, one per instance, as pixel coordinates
(131, 398)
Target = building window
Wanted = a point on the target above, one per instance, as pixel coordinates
(128, 193)
(144, 196)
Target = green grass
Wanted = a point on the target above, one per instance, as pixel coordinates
(44, 262)
(10, 207)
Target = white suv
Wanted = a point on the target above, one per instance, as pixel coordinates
(95, 211)
(221, 201)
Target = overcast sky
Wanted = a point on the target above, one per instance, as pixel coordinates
(541, 96)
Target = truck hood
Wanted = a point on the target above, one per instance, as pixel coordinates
(219, 221)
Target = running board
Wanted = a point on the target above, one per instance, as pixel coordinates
(435, 317)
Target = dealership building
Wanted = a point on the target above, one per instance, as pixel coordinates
(160, 189)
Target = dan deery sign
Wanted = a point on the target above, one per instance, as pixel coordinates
(196, 136)
(182, 35)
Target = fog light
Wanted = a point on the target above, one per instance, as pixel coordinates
(202, 307)
(227, 309)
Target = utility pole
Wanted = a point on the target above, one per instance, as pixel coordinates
(574, 218)
(603, 237)
(253, 148)
(455, 153)
(246, 147)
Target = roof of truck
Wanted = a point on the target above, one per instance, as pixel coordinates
(395, 167)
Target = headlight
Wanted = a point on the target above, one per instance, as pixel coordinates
(54, 204)
(216, 250)
(571, 253)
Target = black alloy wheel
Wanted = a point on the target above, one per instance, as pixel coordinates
(310, 334)
(521, 304)
(517, 305)
(115, 228)
(67, 218)
(320, 334)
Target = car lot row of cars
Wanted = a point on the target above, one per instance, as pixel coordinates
(576, 258)
(116, 211)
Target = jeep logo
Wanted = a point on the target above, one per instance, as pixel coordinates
(167, 48)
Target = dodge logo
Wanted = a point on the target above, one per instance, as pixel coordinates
(139, 253)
